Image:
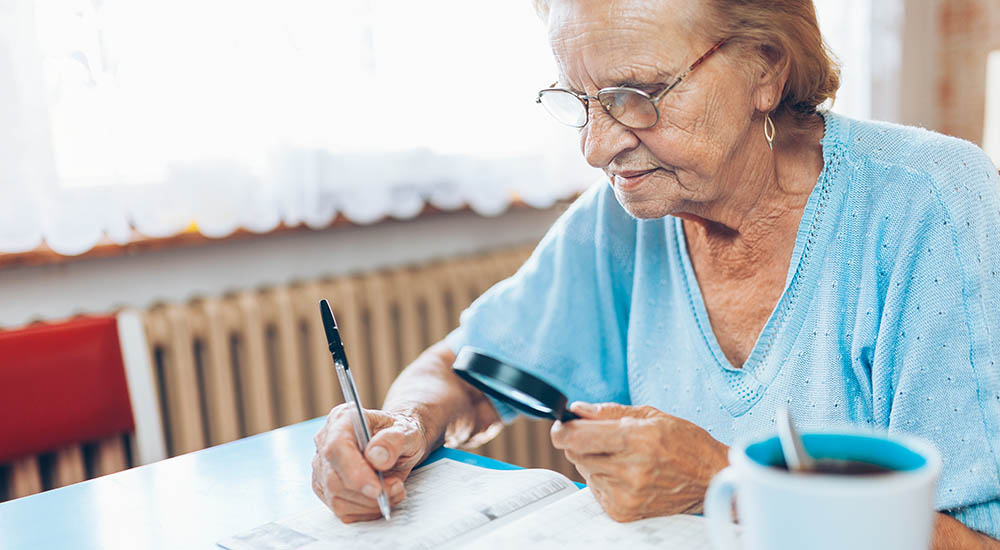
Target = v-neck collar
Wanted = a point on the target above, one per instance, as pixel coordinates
(738, 389)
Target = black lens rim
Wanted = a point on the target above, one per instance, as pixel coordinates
(472, 363)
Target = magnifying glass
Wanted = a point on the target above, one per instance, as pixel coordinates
(511, 385)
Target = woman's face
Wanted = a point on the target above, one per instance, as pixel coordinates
(688, 160)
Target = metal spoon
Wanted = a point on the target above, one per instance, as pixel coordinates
(796, 457)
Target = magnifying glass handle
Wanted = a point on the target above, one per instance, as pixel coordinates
(567, 416)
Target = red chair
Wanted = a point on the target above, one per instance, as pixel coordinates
(69, 394)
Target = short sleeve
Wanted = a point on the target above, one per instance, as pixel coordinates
(935, 371)
(563, 315)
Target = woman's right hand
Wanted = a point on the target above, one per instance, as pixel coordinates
(344, 478)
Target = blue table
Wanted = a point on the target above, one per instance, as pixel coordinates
(190, 501)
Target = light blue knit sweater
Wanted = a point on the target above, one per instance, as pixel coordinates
(890, 317)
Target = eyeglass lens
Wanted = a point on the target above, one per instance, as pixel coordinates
(630, 108)
(564, 107)
(627, 107)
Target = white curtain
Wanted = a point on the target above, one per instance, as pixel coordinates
(162, 116)
(155, 115)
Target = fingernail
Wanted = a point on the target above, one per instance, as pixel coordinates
(378, 455)
(397, 488)
(580, 406)
(370, 491)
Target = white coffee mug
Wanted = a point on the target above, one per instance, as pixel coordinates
(781, 510)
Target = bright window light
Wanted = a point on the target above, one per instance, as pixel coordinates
(152, 116)
(846, 27)
(991, 135)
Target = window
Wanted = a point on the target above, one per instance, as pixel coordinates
(154, 115)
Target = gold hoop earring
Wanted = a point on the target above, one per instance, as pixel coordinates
(769, 131)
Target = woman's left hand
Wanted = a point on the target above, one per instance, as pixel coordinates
(638, 461)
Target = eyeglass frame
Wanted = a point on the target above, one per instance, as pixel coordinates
(653, 99)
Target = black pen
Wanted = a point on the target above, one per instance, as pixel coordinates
(350, 392)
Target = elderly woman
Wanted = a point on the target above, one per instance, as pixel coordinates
(747, 252)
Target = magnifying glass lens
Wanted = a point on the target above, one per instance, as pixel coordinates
(508, 392)
(511, 385)
(529, 401)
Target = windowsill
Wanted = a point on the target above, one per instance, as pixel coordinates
(138, 244)
(184, 268)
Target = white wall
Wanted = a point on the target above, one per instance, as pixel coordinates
(991, 131)
(918, 75)
(889, 54)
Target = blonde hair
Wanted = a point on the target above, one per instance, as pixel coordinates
(782, 33)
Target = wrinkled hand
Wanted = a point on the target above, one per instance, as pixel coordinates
(638, 461)
(345, 480)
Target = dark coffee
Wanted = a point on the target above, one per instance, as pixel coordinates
(844, 468)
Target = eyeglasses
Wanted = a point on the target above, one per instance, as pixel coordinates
(631, 107)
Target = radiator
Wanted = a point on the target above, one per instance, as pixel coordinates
(72, 464)
(231, 366)
(236, 365)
